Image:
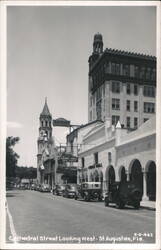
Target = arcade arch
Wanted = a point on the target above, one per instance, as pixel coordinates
(122, 174)
(150, 170)
(109, 176)
(136, 175)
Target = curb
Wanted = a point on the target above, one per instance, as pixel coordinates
(148, 208)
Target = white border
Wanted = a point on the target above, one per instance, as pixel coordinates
(3, 115)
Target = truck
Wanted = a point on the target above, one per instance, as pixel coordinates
(89, 191)
(123, 193)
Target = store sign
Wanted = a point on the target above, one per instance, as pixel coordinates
(70, 159)
(61, 122)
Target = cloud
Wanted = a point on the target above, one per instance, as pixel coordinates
(14, 125)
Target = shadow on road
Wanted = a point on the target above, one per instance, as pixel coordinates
(12, 194)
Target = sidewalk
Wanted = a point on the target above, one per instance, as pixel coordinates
(148, 204)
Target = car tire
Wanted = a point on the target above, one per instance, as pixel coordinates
(137, 205)
(86, 197)
(120, 205)
(106, 202)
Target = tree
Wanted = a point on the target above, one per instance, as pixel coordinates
(11, 156)
(26, 172)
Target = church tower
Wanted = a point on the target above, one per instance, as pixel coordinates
(45, 136)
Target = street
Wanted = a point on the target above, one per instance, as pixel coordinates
(34, 217)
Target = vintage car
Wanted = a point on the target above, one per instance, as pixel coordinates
(33, 186)
(123, 193)
(59, 190)
(89, 191)
(45, 188)
(70, 190)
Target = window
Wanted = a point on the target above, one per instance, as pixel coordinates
(115, 87)
(148, 74)
(83, 162)
(46, 123)
(135, 122)
(135, 89)
(115, 119)
(90, 116)
(96, 158)
(128, 105)
(149, 107)
(153, 75)
(128, 122)
(115, 68)
(94, 96)
(99, 110)
(104, 104)
(126, 70)
(90, 101)
(106, 67)
(135, 106)
(98, 94)
(109, 156)
(103, 90)
(128, 89)
(115, 104)
(142, 73)
(136, 71)
(149, 91)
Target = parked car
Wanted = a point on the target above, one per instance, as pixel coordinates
(89, 191)
(38, 187)
(45, 188)
(123, 193)
(70, 190)
(59, 190)
(33, 186)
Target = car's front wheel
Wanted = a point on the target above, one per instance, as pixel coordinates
(106, 202)
(137, 205)
(120, 204)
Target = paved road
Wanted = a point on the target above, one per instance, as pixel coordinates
(43, 218)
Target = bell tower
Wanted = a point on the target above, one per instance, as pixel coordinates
(97, 49)
(97, 44)
(45, 122)
(45, 136)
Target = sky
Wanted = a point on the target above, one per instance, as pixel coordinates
(47, 56)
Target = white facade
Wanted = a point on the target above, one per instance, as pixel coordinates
(133, 153)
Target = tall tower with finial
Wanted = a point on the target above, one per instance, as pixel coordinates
(98, 44)
(45, 135)
(97, 49)
(45, 121)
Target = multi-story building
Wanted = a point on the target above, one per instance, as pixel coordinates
(121, 91)
(122, 85)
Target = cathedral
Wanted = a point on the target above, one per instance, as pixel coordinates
(53, 162)
(46, 145)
